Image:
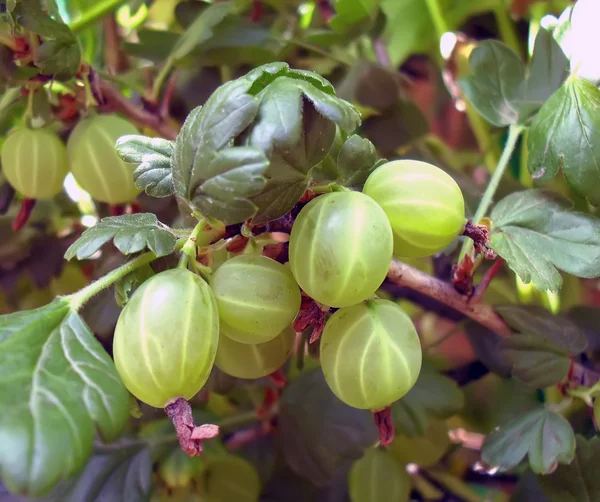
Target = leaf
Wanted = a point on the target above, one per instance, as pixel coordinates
(231, 176)
(486, 345)
(131, 233)
(542, 434)
(125, 287)
(57, 387)
(153, 174)
(537, 234)
(201, 29)
(432, 395)
(110, 474)
(535, 360)
(278, 197)
(351, 13)
(356, 160)
(497, 87)
(578, 481)
(564, 135)
(548, 69)
(319, 434)
(588, 320)
(538, 321)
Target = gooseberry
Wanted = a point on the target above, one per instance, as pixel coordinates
(341, 248)
(34, 162)
(247, 360)
(378, 476)
(230, 478)
(166, 338)
(424, 205)
(257, 297)
(370, 354)
(94, 161)
(424, 451)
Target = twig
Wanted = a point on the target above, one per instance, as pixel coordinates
(114, 100)
(486, 280)
(402, 274)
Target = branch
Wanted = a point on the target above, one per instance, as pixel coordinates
(115, 101)
(410, 277)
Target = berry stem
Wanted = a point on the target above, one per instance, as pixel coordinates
(385, 425)
(77, 300)
(514, 132)
(190, 248)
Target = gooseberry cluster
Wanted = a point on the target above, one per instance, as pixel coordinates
(177, 326)
(36, 161)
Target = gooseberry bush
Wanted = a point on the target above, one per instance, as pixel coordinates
(279, 250)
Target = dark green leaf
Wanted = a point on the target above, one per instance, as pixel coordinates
(131, 234)
(432, 395)
(564, 135)
(264, 75)
(528, 489)
(549, 68)
(30, 16)
(154, 45)
(578, 481)
(486, 345)
(534, 359)
(278, 197)
(57, 387)
(539, 321)
(588, 320)
(153, 174)
(537, 234)
(125, 287)
(111, 474)
(356, 160)
(542, 434)
(371, 84)
(497, 87)
(221, 187)
(201, 29)
(208, 129)
(319, 434)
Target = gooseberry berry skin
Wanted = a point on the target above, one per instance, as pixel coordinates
(378, 476)
(166, 338)
(340, 248)
(34, 162)
(257, 297)
(94, 161)
(370, 354)
(424, 204)
(246, 360)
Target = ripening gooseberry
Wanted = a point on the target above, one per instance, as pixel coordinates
(256, 296)
(425, 451)
(341, 248)
(94, 161)
(247, 360)
(378, 476)
(424, 205)
(34, 162)
(166, 338)
(370, 354)
(229, 478)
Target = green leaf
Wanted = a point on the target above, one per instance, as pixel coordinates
(60, 54)
(278, 197)
(542, 434)
(564, 135)
(153, 174)
(537, 234)
(497, 86)
(548, 69)
(209, 129)
(122, 472)
(537, 320)
(131, 233)
(319, 435)
(432, 395)
(222, 186)
(351, 13)
(57, 387)
(578, 481)
(201, 29)
(356, 160)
